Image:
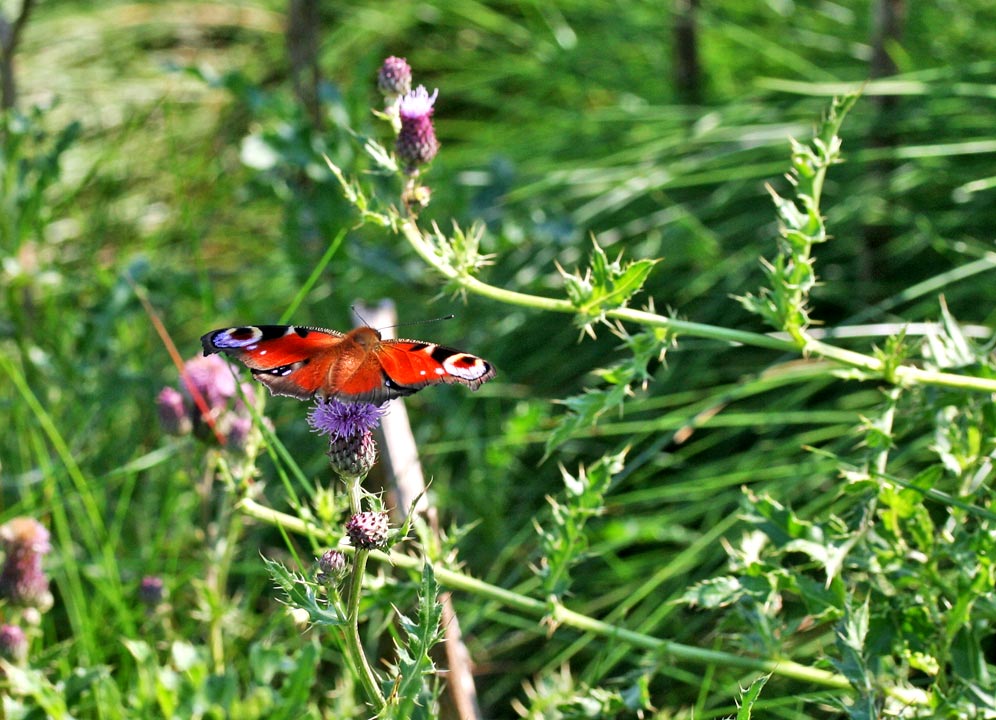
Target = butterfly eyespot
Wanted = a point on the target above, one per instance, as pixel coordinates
(240, 337)
(466, 367)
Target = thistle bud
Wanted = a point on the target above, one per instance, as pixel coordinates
(368, 530)
(332, 567)
(151, 590)
(13, 644)
(394, 78)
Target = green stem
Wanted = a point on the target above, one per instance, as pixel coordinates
(557, 614)
(351, 635)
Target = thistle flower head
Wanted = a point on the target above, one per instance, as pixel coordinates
(212, 379)
(352, 450)
(211, 376)
(416, 143)
(418, 104)
(342, 420)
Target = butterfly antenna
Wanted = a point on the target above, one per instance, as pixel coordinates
(358, 315)
(419, 322)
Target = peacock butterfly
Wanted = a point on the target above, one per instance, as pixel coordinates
(357, 366)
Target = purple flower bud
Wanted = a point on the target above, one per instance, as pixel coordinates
(394, 78)
(151, 592)
(13, 644)
(173, 413)
(416, 143)
(22, 580)
(368, 530)
(332, 567)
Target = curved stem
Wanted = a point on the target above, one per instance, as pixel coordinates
(556, 614)
(904, 374)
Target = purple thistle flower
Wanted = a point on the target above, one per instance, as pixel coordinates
(343, 420)
(394, 78)
(22, 580)
(352, 450)
(212, 378)
(417, 143)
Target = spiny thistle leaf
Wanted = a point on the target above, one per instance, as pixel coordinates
(461, 252)
(410, 698)
(301, 594)
(604, 286)
(584, 410)
(562, 537)
(749, 696)
(783, 303)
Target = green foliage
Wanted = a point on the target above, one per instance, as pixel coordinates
(31, 156)
(559, 696)
(563, 540)
(184, 684)
(644, 348)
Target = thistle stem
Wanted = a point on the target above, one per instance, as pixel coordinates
(556, 615)
(351, 634)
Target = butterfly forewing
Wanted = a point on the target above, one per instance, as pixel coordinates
(413, 365)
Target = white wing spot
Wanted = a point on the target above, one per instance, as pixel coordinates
(440, 371)
(421, 372)
(261, 352)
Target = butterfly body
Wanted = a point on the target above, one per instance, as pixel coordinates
(358, 366)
